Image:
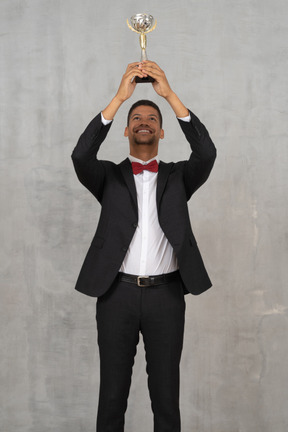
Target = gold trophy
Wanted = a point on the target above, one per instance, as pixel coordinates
(142, 24)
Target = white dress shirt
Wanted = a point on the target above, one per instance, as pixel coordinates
(149, 253)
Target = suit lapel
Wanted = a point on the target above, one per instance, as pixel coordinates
(127, 173)
(163, 174)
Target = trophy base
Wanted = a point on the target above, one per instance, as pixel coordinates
(144, 80)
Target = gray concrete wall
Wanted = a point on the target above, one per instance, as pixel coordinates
(61, 63)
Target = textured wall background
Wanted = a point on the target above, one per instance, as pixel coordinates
(61, 63)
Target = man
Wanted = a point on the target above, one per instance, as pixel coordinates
(143, 257)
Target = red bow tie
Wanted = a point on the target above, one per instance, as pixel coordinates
(138, 167)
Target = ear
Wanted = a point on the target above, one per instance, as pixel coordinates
(126, 132)
(162, 134)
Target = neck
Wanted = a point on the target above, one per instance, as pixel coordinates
(143, 154)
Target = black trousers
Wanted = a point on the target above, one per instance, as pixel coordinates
(158, 313)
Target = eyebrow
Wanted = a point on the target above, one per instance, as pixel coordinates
(149, 115)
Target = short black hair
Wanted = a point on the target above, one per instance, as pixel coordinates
(145, 102)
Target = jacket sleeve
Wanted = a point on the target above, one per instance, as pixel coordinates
(90, 171)
(197, 169)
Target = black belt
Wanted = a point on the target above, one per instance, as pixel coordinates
(146, 281)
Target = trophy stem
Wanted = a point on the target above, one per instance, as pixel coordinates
(143, 40)
(143, 54)
(143, 44)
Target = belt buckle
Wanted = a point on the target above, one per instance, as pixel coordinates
(139, 282)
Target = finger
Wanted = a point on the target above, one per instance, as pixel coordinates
(135, 71)
(151, 64)
(133, 65)
(153, 73)
(152, 67)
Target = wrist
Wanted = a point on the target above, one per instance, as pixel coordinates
(118, 100)
(177, 106)
(110, 111)
(170, 96)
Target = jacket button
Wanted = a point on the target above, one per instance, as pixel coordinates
(134, 225)
(124, 249)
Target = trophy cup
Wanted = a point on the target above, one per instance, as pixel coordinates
(142, 24)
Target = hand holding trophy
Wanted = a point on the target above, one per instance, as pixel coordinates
(142, 24)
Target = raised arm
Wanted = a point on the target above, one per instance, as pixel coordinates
(197, 169)
(91, 171)
(162, 87)
(125, 90)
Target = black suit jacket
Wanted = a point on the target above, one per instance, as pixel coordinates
(114, 187)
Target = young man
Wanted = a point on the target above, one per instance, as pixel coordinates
(144, 256)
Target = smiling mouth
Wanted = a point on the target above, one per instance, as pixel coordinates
(144, 131)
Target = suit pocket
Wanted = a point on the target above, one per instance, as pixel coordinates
(97, 242)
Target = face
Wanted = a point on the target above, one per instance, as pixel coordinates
(144, 127)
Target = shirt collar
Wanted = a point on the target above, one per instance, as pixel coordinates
(134, 159)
